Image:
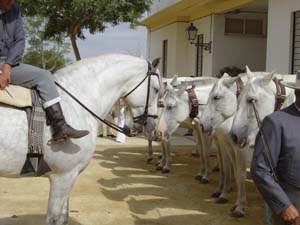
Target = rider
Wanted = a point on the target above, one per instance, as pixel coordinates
(12, 44)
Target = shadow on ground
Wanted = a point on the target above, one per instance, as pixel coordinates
(30, 220)
(175, 198)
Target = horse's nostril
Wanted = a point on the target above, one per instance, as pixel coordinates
(234, 138)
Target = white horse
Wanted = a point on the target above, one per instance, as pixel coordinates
(263, 91)
(217, 119)
(177, 110)
(98, 82)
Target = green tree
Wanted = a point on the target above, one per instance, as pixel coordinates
(72, 17)
(44, 53)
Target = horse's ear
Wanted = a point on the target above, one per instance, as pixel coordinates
(174, 81)
(182, 89)
(225, 75)
(268, 78)
(155, 63)
(228, 81)
(249, 73)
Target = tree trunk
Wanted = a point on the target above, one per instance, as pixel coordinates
(74, 46)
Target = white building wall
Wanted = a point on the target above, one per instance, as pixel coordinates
(181, 54)
(238, 50)
(279, 48)
(156, 43)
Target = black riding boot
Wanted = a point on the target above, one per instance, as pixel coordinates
(60, 129)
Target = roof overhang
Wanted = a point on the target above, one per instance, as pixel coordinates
(190, 10)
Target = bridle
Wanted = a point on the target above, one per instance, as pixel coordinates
(142, 119)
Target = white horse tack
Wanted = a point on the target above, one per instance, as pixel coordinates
(99, 82)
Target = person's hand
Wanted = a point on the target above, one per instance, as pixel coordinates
(290, 214)
(5, 76)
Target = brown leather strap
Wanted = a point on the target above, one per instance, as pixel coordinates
(194, 103)
(280, 94)
(239, 87)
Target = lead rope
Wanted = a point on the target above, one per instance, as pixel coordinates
(267, 151)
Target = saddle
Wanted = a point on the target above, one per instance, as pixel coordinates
(28, 100)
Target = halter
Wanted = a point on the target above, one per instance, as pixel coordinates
(239, 87)
(142, 119)
(193, 102)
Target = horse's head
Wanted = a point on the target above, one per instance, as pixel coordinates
(175, 110)
(222, 103)
(261, 90)
(143, 97)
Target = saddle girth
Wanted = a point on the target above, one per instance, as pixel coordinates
(280, 94)
(193, 102)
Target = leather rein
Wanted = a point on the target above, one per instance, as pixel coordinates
(142, 119)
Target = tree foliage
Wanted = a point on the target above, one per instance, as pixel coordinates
(44, 53)
(72, 17)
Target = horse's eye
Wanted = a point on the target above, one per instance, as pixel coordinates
(217, 97)
(169, 107)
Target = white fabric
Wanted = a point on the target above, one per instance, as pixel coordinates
(121, 122)
(51, 102)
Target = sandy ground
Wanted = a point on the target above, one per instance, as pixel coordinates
(119, 188)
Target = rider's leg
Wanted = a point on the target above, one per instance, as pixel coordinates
(33, 77)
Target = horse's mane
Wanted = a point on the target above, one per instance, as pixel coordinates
(199, 81)
(102, 61)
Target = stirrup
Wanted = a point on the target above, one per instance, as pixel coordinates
(57, 141)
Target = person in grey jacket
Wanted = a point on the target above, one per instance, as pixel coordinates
(12, 45)
(281, 132)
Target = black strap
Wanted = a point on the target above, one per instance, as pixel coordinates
(123, 130)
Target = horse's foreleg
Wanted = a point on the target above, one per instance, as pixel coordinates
(60, 187)
(203, 145)
(221, 184)
(223, 198)
(241, 176)
(167, 166)
(162, 161)
(150, 149)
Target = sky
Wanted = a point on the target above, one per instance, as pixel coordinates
(118, 39)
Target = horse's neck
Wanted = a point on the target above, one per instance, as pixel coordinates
(202, 93)
(98, 93)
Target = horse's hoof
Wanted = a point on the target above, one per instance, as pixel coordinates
(216, 194)
(204, 180)
(164, 170)
(159, 168)
(159, 156)
(233, 208)
(195, 155)
(221, 200)
(149, 160)
(237, 214)
(216, 169)
(198, 177)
